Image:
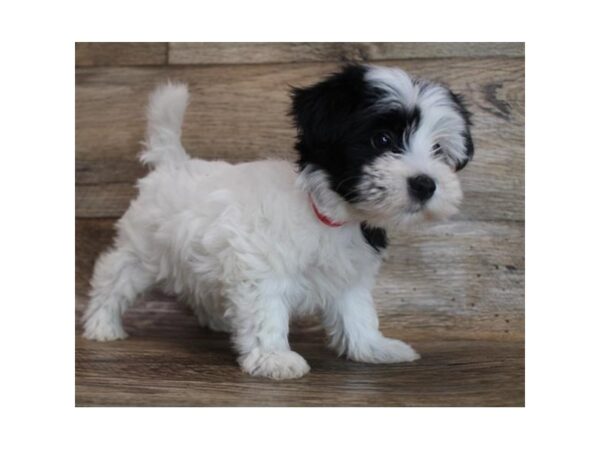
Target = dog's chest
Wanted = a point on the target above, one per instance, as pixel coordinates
(334, 265)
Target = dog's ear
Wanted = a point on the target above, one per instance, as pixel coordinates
(468, 149)
(323, 112)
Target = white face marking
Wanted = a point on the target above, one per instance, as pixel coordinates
(385, 197)
(440, 123)
(397, 83)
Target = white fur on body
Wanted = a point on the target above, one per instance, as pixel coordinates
(242, 246)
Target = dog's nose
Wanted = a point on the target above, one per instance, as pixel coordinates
(421, 187)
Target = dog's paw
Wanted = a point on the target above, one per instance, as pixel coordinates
(279, 365)
(103, 327)
(384, 350)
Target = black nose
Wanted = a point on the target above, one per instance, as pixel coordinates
(421, 187)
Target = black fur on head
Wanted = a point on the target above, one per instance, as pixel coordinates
(329, 117)
(337, 118)
(388, 144)
(466, 115)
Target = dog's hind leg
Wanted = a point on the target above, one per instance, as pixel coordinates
(119, 277)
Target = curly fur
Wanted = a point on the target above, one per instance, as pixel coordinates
(241, 243)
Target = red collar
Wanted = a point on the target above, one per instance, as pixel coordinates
(322, 217)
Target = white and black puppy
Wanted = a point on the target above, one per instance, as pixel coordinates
(250, 245)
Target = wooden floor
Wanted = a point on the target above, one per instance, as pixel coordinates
(455, 290)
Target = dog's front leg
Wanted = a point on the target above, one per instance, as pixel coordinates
(352, 324)
(260, 320)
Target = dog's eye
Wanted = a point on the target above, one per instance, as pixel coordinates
(382, 141)
(437, 150)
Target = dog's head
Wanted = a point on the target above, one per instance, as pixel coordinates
(389, 145)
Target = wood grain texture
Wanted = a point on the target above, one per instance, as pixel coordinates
(454, 290)
(120, 53)
(296, 52)
(239, 113)
(458, 300)
(460, 280)
(154, 369)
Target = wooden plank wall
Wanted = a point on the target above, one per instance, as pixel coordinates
(465, 276)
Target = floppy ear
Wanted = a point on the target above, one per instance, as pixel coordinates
(459, 104)
(322, 112)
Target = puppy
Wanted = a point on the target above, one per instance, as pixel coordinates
(250, 245)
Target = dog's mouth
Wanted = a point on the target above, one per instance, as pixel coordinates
(414, 208)
(419, 212)
(402, 217)
(422, 210)
(386, 212)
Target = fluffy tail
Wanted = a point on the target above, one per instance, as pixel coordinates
(165, 117)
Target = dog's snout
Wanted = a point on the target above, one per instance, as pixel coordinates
(421, 187)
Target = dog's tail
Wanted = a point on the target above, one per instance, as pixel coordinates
(166, 109)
